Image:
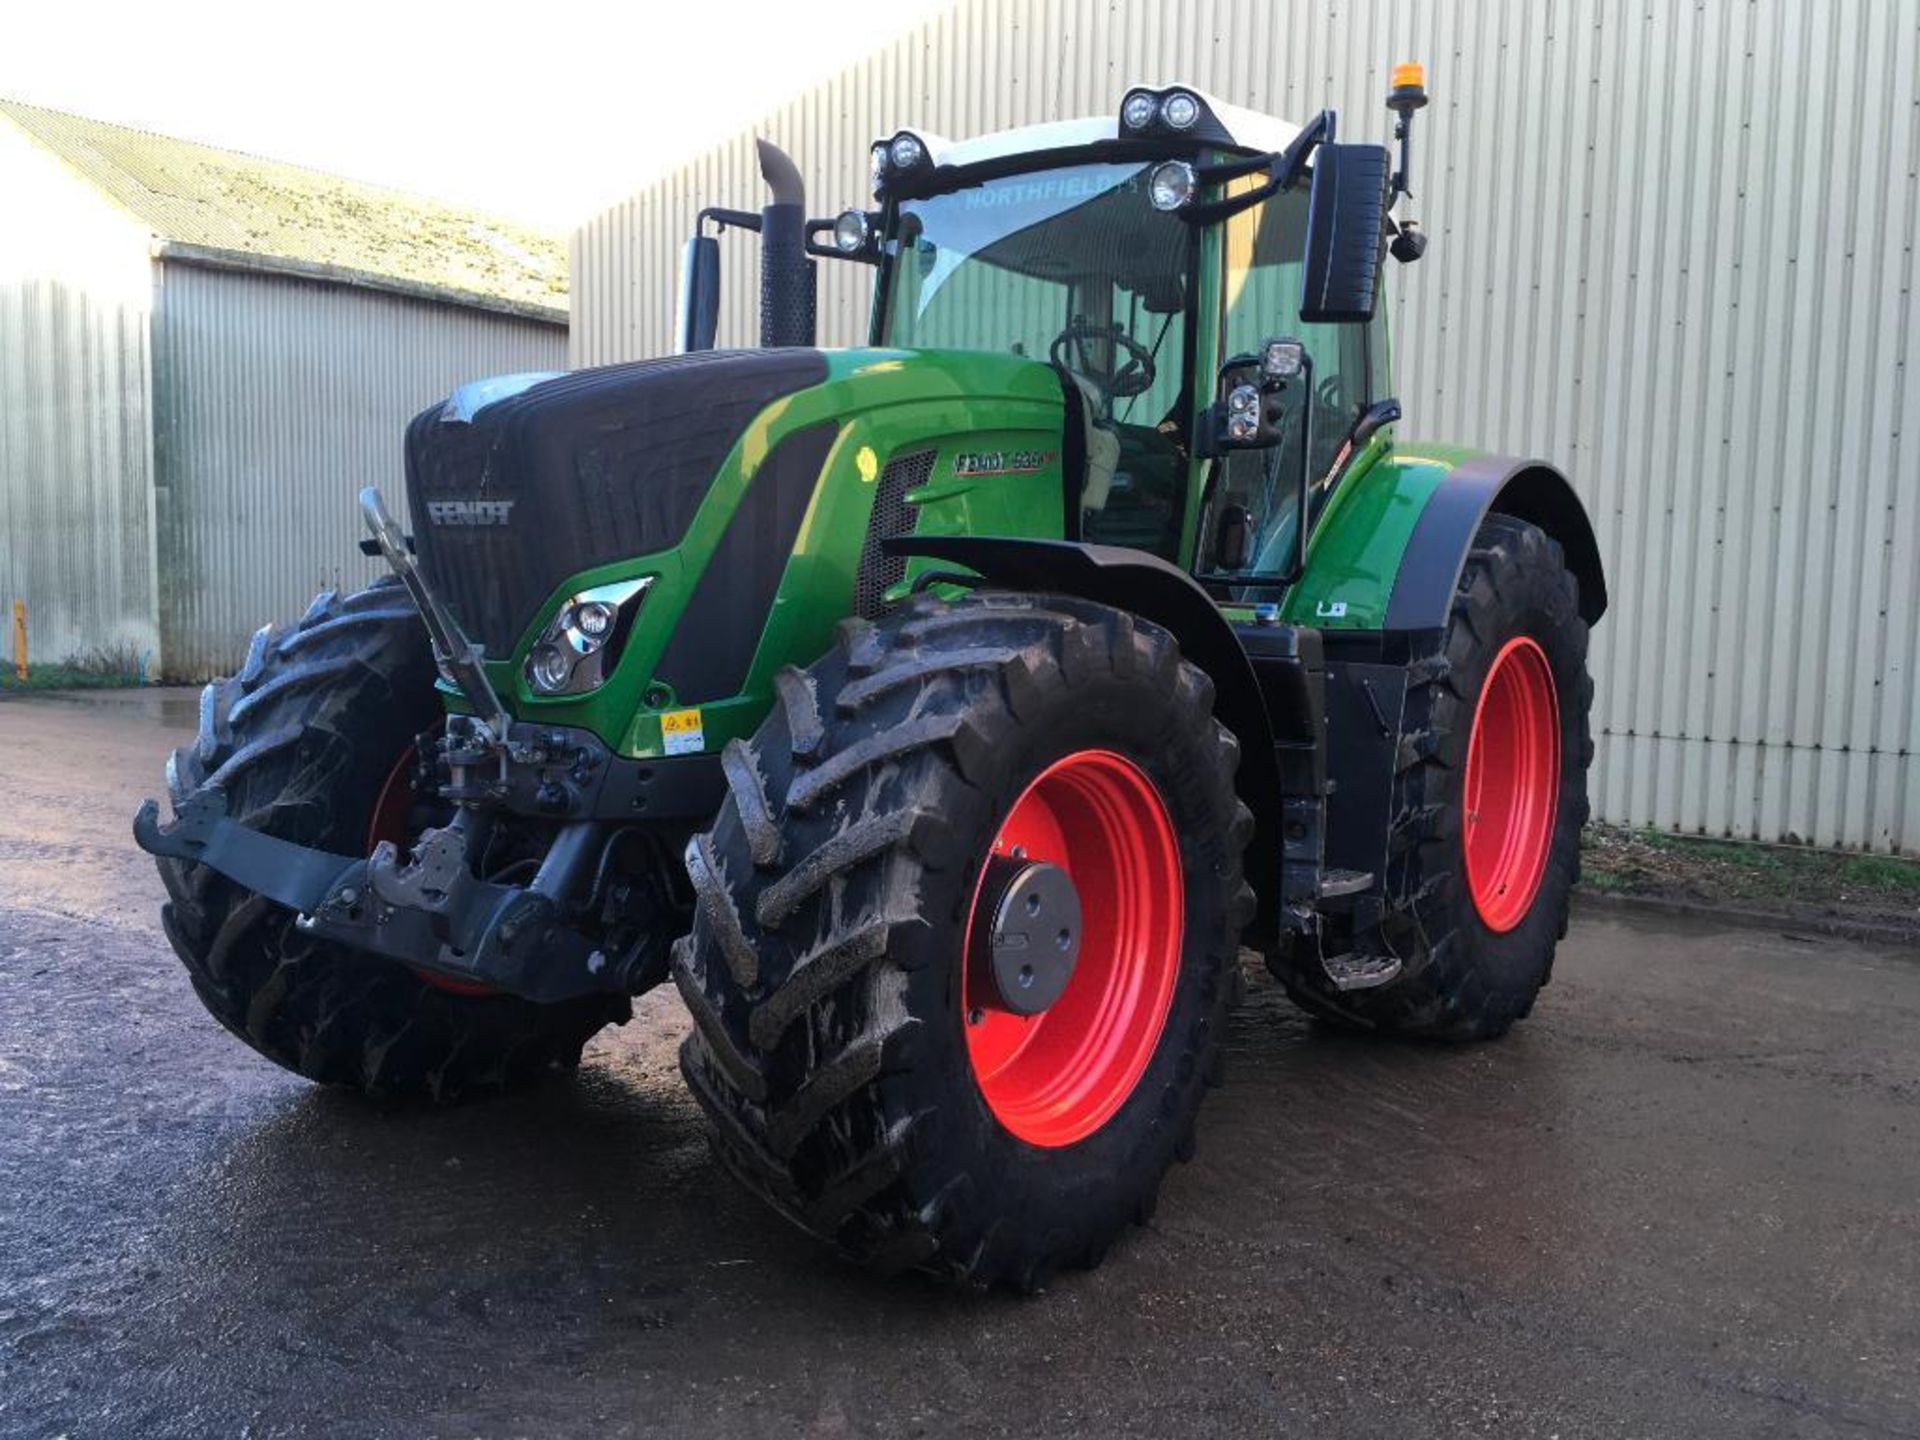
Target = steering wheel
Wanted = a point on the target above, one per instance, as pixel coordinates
(1069, 351)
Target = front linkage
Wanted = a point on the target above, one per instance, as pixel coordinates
(429, 909)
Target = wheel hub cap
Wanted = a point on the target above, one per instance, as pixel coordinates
(1033, 939)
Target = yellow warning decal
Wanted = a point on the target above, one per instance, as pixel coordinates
(681, 732)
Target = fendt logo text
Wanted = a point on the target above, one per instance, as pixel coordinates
(1002, 462)
(469, 512)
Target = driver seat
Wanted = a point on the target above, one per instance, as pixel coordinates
(1102, 446)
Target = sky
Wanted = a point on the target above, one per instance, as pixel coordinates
(545, 113)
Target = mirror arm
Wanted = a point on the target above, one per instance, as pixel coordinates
(1375, 417)
(1403, 132)
(1303, 496)
(722, 218)
(1284, 169)
(1321, 130)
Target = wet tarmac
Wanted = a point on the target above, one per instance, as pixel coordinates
(1683, 1199)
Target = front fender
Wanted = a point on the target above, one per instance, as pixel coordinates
(1530, 490)
(1387, 552)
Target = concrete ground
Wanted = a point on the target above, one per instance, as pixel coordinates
(1683, 1199)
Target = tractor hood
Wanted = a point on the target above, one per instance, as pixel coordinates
(517, 484)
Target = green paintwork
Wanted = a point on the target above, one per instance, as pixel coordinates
(888, 403)
(1354, 550)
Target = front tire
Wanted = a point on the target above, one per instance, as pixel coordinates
(305, 740)
(859, 1076)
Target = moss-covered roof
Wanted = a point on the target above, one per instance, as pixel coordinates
(204, 198)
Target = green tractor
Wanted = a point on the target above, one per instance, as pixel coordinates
(942, 716)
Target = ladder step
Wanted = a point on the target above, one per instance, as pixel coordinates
(1360, 972)
(1334, 883)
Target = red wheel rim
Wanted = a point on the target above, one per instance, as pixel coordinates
(392, 820)
(1054, 1078)
(393, 811)
(1512, 783)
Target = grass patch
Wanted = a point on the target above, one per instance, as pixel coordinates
(1882, 873)
(95, 670)
(1771, 877)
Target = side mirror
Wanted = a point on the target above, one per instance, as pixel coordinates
(699, 294)
(1346, 233)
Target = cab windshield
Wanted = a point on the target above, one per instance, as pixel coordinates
(1068, 264)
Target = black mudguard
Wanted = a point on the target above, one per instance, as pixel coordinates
(1530, 490)
(1368, 672)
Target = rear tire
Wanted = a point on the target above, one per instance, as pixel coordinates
(1473, 958)
(303, 741)
(825, 970)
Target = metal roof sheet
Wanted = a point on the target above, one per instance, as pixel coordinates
(208, 201)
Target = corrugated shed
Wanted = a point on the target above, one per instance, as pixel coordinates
(1673, 251)
(213, 199)
(276, 400)
(76, 501)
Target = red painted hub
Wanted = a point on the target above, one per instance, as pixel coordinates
(1512, 783)
(1056, 1077)
(393, 820)
(393, 811)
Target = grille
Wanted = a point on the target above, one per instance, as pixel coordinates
(598, 465)
(892, 515)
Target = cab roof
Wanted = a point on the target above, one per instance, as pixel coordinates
(1229, 126)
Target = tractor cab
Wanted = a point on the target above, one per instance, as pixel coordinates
(1138, 256)
(1150, 258)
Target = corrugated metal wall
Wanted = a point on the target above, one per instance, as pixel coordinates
(1673, 251)
(76, 522)
(276, 400)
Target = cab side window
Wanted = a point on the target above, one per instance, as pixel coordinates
(1263, 251)
(1252, 527)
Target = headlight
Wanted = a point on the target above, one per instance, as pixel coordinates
(1172, 184)
(550, 667)
(1137, 110)
(906, 151)
(594, 618)
(577, 650)
(878, 165)
(1180, 110)
(1243, 414)
(850, 233)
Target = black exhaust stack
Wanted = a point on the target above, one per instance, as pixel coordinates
(786, 271)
